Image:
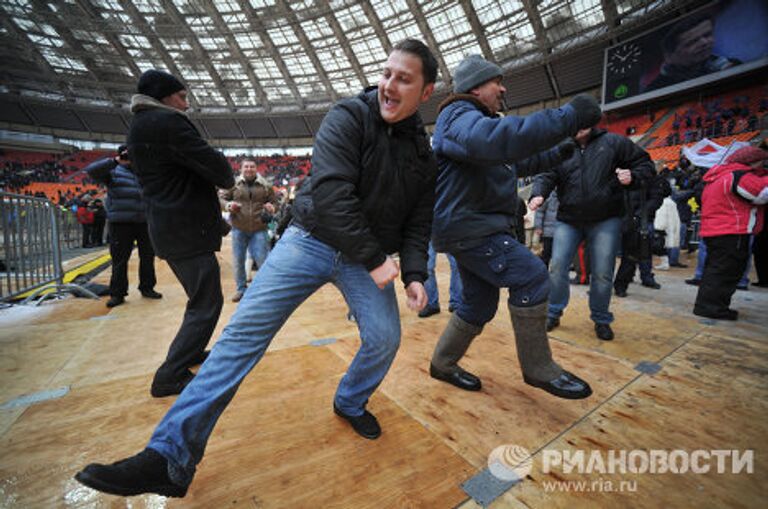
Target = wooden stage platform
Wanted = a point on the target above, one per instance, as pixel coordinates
(669, 381)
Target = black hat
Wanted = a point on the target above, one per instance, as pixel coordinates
(158, 84)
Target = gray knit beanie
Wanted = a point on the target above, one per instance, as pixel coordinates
(474, 70)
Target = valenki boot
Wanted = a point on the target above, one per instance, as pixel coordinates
(451, 347)
(535, 356)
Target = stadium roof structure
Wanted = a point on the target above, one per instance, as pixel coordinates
(268, 70)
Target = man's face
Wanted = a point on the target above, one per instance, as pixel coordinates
(694, 45)
(491, 94)
(177, 100)
(401, 87)
(248, 170)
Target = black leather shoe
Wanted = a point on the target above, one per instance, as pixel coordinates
(365, 425)
(693, 281)
(147, 472)
(552, 323)
(460, 378)
(678, 265)
(151, 294)
(162, 388)
(653, 285)
(727, 314)
(621, 292)
(115, 301)
(604, 331)
(429, 311)
(567, 386)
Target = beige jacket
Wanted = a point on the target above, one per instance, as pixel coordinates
(251, 198)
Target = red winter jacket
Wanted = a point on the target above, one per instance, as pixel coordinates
(84, 215)
(727, 201)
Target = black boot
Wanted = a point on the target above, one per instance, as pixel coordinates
(453, 344)
(147, 472)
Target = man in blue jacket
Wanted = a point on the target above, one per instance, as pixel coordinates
(127, 224)
(480, 156)
(370, 194)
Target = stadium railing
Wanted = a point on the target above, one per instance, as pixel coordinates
(33, 231)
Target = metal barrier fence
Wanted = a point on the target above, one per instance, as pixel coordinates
(33, 231)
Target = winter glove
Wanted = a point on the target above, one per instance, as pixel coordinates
(587, 110)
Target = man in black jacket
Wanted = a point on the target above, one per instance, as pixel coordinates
(590, 186)
(178, 172)
(127, 224)
(644, 202)
(370, 194)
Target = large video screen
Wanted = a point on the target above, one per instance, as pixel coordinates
(718, 41)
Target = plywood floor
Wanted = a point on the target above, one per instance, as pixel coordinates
(279, 444)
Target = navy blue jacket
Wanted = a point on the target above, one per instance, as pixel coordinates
(480, 157)
(372, 185)
(124, 201)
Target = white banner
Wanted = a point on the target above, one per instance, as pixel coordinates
(707, 153)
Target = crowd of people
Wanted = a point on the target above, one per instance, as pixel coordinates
(379, 188)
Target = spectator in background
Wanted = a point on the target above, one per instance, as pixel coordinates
(85, 218)
(732, 211)
(590, 187)
(251, 204)
(178, 173)
(544, 225)
(127, 224)
(99, 221)
(430, 285)
(687, 49)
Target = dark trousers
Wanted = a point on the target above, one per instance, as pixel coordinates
(546, 251)
(500, 262)
(87, 234)
(201, 279)
(727, 257)
(97, 232)
(121, 239)
(760, 252)
(630, 261)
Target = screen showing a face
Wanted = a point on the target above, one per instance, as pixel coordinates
(712, 43)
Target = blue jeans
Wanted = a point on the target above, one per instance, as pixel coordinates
(603, 239)
(500, 262)
(298, 266)
(701, 260)
(430, 285)
(257, 243)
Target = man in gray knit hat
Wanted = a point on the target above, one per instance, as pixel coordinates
(480, 156)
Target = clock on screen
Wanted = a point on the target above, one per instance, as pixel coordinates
(624, 59)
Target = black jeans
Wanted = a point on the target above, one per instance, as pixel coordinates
(201, 279)
(727, 257)
(121, 239)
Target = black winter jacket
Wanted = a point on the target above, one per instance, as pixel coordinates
(371, 189)
(587, 186)
(178, 172)
(124, 202)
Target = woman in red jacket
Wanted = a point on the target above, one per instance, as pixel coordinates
(732, 211)
(86, 218)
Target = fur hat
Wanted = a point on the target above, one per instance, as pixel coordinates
(158, 84)
(748, 155)
(474, 70)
